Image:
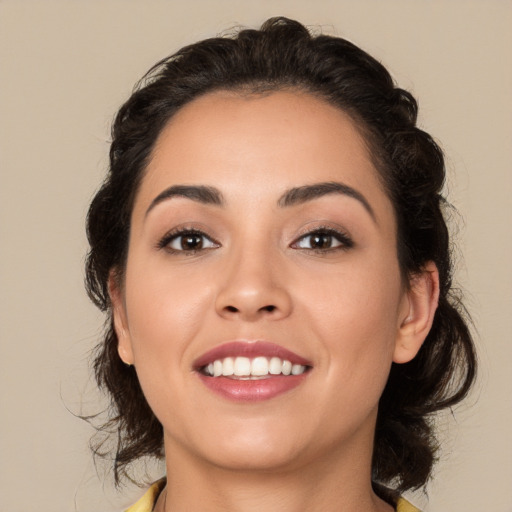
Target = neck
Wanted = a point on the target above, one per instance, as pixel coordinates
(337, 482)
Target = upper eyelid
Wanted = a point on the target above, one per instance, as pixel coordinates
(343, 236)
(174, 233)
(322, 229)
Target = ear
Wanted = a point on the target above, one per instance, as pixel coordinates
(124, 346)
(418, 313)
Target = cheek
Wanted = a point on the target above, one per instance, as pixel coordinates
(164, 311)
(354, 315)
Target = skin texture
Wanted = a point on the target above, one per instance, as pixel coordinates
(257, 277)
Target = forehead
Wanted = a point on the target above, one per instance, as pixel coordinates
(284, 123)
(262, 143)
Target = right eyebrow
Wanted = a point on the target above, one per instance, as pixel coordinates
(300, 195)
(200, 193)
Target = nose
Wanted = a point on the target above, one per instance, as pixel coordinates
(253, 287)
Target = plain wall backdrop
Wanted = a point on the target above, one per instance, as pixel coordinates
(65, 67)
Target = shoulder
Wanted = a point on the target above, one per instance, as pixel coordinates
(147, 502)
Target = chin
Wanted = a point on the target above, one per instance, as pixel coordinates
(255, 457)
(245, 445)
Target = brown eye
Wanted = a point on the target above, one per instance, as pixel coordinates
(323, 240)
(187, 241)
(191, 242)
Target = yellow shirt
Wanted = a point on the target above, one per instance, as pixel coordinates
(147, 502)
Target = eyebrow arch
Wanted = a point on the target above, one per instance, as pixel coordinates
(200, 193)
(299, 195)
(294, 196)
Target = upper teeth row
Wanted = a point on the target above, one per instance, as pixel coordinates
(259, 366)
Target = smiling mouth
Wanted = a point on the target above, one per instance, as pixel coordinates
(245, 368)
(248, 372)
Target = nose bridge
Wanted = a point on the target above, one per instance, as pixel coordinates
(251, 284)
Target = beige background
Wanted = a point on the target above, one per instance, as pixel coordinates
(64, 69)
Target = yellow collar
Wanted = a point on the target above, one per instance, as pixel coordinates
(147, 502)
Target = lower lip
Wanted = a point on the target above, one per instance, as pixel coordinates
(252, 390)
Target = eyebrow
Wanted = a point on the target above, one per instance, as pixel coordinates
(200, 193)
(298, 195)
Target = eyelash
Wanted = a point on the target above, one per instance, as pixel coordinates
(345, 242)
(175, 234)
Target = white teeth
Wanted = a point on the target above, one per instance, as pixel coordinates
(217, 368)
(275, 366)
(228, 366)
(257, 367)
(242, 366)
(297, 369)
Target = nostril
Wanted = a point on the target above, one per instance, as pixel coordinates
(270, 308)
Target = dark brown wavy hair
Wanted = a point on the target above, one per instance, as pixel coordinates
(283, 54)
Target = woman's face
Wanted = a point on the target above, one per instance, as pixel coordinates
(262, 236)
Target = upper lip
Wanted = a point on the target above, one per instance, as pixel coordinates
(249, 349)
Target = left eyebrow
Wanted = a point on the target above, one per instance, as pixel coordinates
(300, 195)
(199, 193)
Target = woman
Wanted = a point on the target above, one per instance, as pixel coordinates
(270, 248)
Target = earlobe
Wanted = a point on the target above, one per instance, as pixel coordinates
(124, 346)
(421, 304)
